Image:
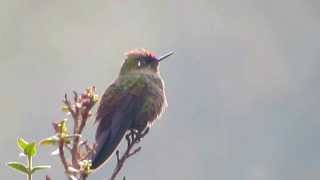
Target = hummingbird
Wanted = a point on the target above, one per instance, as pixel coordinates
(133, 101)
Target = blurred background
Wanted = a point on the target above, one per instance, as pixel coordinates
(243, 86)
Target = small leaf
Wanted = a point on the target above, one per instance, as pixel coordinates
(18, 166)
(65, 109)
(85, 166)
(50, 141)
(62, 127)
(37, 168)
(95, 98)
(30, 150)
(22, 144)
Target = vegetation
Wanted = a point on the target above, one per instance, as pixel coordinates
(73, 149)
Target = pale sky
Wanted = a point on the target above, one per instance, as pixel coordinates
(243, 86)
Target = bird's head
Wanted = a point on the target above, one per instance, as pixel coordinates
(142, 60)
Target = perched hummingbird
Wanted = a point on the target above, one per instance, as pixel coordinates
(132, 102)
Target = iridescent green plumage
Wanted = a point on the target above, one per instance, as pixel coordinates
(133, 101)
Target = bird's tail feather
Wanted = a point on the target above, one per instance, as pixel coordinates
(110, 138)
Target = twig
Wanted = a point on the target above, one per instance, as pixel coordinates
(132, 139)
(69, 106)
(90, 150)
(80, 110)
(48, 177)
(63, 158)
(76, 116)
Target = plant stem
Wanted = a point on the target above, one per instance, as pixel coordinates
(29, 168)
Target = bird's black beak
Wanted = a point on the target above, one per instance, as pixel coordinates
(165, 56)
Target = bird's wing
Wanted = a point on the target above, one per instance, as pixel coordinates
(115, 114)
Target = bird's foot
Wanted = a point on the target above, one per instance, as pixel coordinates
(134, 136)
(140, 134)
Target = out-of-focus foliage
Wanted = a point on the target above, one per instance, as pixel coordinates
(29, 150)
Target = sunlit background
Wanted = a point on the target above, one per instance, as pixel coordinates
(243, 87)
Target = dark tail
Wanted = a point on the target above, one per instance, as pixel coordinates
(108, 139)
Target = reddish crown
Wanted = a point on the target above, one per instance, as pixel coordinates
(141, 53)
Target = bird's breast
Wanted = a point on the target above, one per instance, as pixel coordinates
(153, 102)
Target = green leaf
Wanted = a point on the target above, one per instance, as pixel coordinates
(50, 141)
(65, 109)
(22, 144)
(30, 150)
(62, 128)
(95, 98)
(18, 166)
(37, 168)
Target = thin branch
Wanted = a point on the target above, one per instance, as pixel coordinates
(89, 150)
(132, 138)
(69, 106)
(80, 110)
(76, 119)
(63, 158)
(48, 177)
